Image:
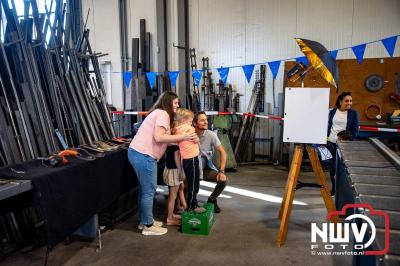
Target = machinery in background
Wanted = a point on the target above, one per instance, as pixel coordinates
(223, 125)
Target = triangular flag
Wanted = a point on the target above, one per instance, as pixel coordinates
(359, 50)
(334, 54)
(248, 71)
(151, 77)
(173, 75)
(302, 59)
(127, 76)
(390, 44)
(197, 76)
(274, 66)
(223, 73)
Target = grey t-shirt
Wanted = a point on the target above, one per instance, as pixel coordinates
(208, 142)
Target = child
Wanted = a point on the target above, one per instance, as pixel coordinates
(173, 177)
(189, 153)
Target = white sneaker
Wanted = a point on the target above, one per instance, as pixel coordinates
(154, 231)
(155, 223)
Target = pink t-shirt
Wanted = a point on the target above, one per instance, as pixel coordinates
(188, 149)
(144, 141)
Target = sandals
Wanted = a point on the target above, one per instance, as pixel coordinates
(177, 216)
(173, 222)
(180, 210)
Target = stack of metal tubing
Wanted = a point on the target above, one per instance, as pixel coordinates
(51, 90)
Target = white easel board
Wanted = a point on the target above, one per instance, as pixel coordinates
(306, 115)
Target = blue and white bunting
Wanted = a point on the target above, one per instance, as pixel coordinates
(248, 71)
(127, 76)
(334, 54)
(173, 76)
(390, 44)
(274, 66)
(302, 59)
(151, 77)
(197, 76)
(223, 73)
(358, 51)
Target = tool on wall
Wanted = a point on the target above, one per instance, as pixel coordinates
(374, 83)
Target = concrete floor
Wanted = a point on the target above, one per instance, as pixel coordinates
(244, 232)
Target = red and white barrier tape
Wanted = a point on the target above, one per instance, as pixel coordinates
(128, 113)
(368, 128)
(380, 129)
(207, 113)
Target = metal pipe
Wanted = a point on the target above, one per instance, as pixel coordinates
(165, 35)
(13, 124)
(123, 42)
(187, 62)
(23, 119)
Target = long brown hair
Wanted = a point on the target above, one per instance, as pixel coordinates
(164, 102)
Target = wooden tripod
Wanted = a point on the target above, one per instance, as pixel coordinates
(292, 184)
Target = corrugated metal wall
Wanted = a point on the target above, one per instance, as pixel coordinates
(237, 32)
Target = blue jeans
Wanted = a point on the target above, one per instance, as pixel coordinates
(145, 168)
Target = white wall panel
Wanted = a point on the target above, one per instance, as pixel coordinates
(103, 23)
(139, 9)
(218, 32)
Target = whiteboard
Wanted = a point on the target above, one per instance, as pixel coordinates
(306, 115)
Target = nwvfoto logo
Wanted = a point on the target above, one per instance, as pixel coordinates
(338, 235)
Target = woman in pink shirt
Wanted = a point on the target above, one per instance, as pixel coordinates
(146, 148)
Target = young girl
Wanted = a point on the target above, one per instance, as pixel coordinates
(173, 177)
(190, 160)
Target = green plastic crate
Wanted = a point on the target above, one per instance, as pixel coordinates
(198, 223)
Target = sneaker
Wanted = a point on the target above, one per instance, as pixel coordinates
(217, 209)
(155, 223)
(154, 231)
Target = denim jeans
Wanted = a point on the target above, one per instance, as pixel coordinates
(146, 171)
